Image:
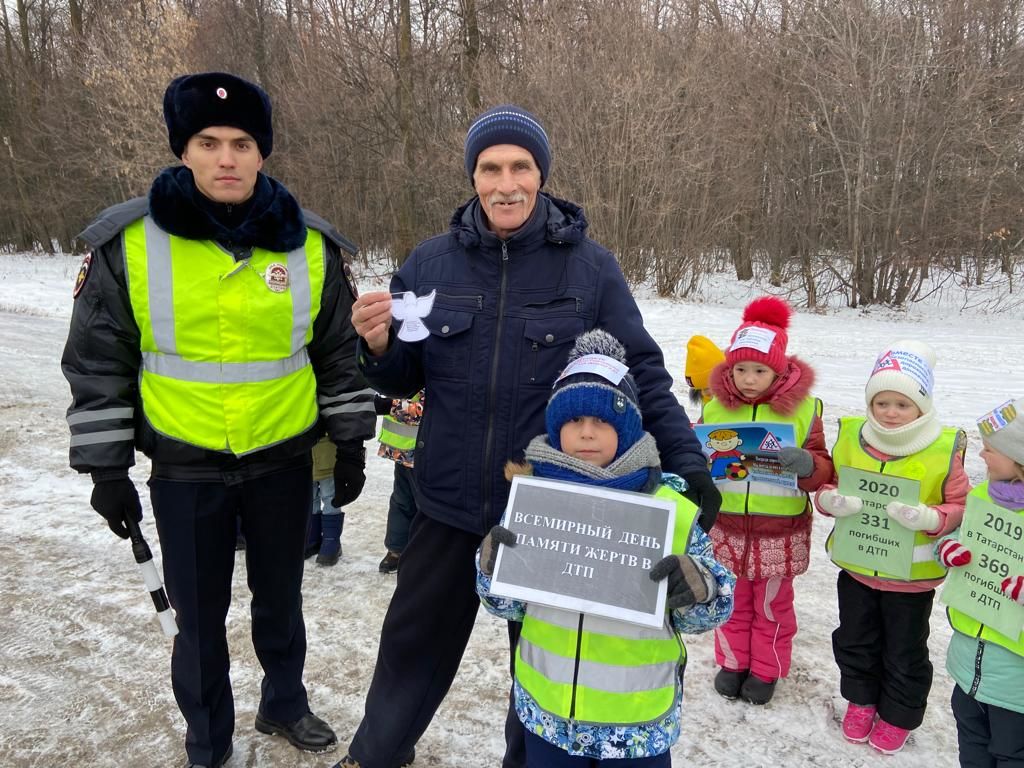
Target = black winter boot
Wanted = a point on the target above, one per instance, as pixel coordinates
(757, 691)
(729, 681)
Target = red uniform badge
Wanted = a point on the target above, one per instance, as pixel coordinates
(83, 273)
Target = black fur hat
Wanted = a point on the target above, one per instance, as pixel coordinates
(195, 102)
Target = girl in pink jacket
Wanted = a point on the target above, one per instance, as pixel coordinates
(881, 644)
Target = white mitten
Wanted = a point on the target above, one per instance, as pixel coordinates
(916, 517)
(838, 505)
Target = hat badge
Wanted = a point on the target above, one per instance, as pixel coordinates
(619, 405)
(222, 93)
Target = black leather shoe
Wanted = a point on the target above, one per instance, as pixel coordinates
(217, 763)
(308, 733)
(728, 682)
(390, 562)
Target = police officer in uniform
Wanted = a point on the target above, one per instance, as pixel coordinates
(211, 330)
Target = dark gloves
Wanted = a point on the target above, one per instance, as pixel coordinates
(489, 549)
(701, 491)
(382, 405)
(117, 500)
(349, 474)
(689, 582)
(797, 460)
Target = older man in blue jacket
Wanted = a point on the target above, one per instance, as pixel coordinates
(516, 281)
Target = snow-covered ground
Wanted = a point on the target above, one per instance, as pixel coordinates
(84, 667)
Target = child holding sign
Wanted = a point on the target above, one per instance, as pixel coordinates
(987, 665)
(763, 531)
(881, 644)
(587, 686)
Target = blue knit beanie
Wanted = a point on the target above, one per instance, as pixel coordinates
(590, 385)
(195, 102)
(508, 124)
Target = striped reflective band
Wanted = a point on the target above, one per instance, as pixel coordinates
(601, 677)
(161, 291)
(400, 429)
(105, 414)
(347, 402)
(175, 367)
(599, 624)
(107, 436)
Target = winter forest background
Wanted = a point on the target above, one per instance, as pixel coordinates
(854, 151)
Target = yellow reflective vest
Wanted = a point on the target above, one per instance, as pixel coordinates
(961, 622)
(930, 467)
(397, 434)
(591, 669)
(758, 498)
(223, 342)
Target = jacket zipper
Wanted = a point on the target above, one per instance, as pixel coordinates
(489, 441)
(576, 674)
(976, 682)
(881, 471)
(747, 527)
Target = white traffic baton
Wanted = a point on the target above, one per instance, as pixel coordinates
(144, 557)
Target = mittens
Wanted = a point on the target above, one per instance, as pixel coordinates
(915, 517)
(797, 460)
(953, 554)
(838, 505)
(1013, 588)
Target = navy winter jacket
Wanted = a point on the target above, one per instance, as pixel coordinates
(503, 321)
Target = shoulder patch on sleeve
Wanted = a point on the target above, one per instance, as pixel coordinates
(83, 274)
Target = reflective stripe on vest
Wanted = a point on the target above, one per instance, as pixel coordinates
(395, 434)
(930, 467)
(224, 359)
(757, 498)
(963, 623)
(597, 670)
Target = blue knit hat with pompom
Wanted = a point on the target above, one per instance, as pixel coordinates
(593, 384)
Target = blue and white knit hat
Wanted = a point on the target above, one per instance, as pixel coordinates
(508, 124)
(596, 382)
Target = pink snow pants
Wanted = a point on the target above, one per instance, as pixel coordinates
(759, 635)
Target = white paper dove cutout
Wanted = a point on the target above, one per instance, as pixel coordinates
(411, 309)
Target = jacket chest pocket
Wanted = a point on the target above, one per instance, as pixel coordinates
(547, 342)
(447, 352)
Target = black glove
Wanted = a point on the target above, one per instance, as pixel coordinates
(117, 499)
(797, 460)
(688, 582)
(701, 491)
(489, 549)
(382, 405)
(349, 474)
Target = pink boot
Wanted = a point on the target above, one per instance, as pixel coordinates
(857, 723)
(887, 738)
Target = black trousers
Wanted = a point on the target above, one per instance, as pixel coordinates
(881, 647)
(989, 736)
(196, 522)
(426, 629)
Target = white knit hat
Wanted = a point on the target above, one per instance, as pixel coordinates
(1003, 429)
(905, 367)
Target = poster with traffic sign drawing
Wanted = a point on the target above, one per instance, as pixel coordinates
(747, 452)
